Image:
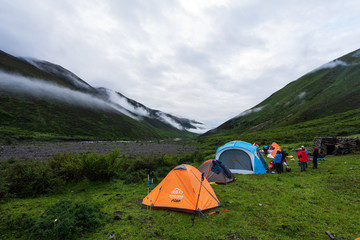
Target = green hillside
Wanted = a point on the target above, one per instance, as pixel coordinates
(28, 118)
(317, 96)
(19, 66)
(24, 115)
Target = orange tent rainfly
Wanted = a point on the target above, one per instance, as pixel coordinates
(183, 190)
(275, 148)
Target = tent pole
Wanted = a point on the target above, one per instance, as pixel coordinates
(147, 200)
(202, 179)
(152, 182)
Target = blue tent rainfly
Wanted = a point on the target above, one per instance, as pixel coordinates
(241, 157)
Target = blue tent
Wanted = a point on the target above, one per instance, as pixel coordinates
(241, 157)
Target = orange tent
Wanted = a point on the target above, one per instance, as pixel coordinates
(179, 191)
(276, 148)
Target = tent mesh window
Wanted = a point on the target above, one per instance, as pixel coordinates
(236, 159)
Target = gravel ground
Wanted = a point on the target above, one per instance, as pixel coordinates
(46, 150)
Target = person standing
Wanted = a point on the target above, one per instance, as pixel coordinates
(315, 156)
(283, 160)
(277, 161)
(307, 154)
(303, 159)
(265, 149)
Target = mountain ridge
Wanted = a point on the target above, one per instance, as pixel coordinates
(105, 93)
(330, 89)
(20, 76)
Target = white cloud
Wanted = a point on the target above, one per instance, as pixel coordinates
(247, 112)
(302, 95)
(117, 99)
(42, 89)
(203, 60)
(331, 64)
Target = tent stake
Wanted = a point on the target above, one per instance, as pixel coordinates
(330, 235)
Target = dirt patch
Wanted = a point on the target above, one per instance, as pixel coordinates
(46, 150)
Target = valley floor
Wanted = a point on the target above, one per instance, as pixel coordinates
(46, 150)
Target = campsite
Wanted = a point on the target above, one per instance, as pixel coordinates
(291, 205)
(173, 127)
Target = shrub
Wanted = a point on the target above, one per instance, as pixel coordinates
(198, 157)
(4, 189)
(65, 220)
(134, 177)
(15, 224)
(74, 167)
(31, 179)
(69, 166)
(101, 166)
(135, 170)
(161, 172)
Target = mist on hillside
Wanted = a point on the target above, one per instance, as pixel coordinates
(42, 89)
(247, 112)
(45, 90)
(58, 70)
(117, 99)
(142, 111)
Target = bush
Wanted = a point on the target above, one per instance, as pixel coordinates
(69, 166)
(161, 172)
(15, 224)
(74, 167)
(101, 166)
(34, 178)
(198, 157)
(65, 220)
(31, 179)
(135, 170)
(4, 189)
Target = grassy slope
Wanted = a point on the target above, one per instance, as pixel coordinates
(31, 118)
(38, 119)
(294, 206)
(327, 92)
(342, 124)
(15, 65)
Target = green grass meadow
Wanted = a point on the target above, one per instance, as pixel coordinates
(291, 205)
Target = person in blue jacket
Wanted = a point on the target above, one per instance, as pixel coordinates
(265, 150)
(278, 162)
(307, 152)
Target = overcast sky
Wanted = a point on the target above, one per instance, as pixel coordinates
(206, 60)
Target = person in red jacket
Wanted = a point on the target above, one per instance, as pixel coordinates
(303, 159)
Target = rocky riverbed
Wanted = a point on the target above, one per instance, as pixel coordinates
(46, 150)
